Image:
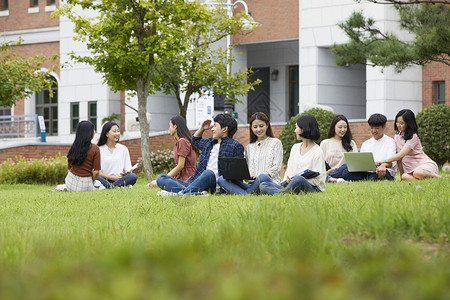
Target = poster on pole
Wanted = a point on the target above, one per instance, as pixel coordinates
(41, 123)
(204, 108)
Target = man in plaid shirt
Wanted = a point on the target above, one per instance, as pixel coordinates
(221, 144)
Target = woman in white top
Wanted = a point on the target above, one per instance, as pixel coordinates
(339, 141)
(264, 157)
(305, 156)
(115, 159)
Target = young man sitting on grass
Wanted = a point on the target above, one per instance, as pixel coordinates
(382, 147)
(221, 144)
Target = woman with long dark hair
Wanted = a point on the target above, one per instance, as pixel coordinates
(339, 141)
(185, 155)
(116, 164)
(305, 172)
(83, 160)
(264, 157)
(413, 163)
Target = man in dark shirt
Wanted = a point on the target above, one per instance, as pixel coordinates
(221, 144)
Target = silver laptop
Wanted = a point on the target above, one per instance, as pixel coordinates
(360, 161)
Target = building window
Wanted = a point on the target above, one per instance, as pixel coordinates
(92, 113)
(293, 91)
(5, 111)
(4, 5)
(47, 107)
(34, 3)
(439, 92)
(74, 116)
(50, 2)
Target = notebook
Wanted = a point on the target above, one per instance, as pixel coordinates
(360, 161)
(234, 168)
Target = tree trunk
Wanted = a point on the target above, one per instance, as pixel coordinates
(144, 129)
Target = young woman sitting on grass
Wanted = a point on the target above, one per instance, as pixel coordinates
(264, 157)
(305, 156)
(83, 160)
(339, 141)
(116, 163)
(413, 163)
(184, 154)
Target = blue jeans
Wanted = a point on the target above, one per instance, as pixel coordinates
(238, 187)
(205, 182)
(337, 173)
(297, 185)
(358, 176)
(129, 179)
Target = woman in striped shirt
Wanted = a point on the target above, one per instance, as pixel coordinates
(264, 157)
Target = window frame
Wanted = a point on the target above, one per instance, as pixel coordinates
(4, 5)
(437, 97)
(93, 118)
(73, 118)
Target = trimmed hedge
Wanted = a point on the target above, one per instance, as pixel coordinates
(287, 135)
(51, 170)
(434, 124)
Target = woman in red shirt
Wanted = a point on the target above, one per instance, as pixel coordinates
(184, 153)
(84, 160)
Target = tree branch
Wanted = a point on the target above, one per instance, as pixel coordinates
(131, 107)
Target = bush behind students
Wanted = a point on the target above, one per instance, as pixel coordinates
(83, 160)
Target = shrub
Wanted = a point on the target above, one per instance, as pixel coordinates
(50, 170)
(162, 161)
(287, 135)
(434, 124)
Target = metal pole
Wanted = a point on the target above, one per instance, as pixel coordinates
(228, 105)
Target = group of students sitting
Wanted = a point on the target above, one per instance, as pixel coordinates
(309, 167)
(107, 163)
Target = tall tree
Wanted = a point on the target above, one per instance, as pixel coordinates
(128, 39)
(204, 62)
(427, 20)
(19, 76)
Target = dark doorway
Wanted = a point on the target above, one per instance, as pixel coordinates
(259, 99)
(293, 91)
(47, 107)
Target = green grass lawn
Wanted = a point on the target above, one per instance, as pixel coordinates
(366, 240)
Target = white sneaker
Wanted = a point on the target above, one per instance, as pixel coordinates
(164, 193)
(341, 180)
(204, 193)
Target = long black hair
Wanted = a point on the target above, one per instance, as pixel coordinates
(410, 120)
(106, 128)
(183, 130)
(262, 117)
(78, 150)
(347, 138)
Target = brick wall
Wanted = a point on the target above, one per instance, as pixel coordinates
(20, 19)
(279, 19)
(360, 131)
(434, 72)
